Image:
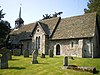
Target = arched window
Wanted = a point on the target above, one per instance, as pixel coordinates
(57, 49)
(72, 44)
(37, 42)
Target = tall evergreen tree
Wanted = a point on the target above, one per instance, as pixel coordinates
(4, 29)
(93, 6)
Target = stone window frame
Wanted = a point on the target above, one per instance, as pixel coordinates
(73, 42)
(55, 48)
(37, 42)
(38, 30)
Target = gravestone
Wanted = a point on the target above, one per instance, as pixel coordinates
(43, 55)
(51, 53)
(3, 58)
(9, 55)
(26, 53)
(17, 52)
(34, 57)
(65, 61)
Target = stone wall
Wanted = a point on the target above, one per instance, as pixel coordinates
(27, 45)
(72, 47)
(96, 43)
(39, 32)
(87, 48)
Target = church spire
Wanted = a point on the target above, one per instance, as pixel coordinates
(20, 13)
(19, 22)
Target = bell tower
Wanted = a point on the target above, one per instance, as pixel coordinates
(19, 21)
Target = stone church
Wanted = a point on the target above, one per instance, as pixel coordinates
(77, 36)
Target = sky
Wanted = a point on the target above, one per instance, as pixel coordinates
(33, 10)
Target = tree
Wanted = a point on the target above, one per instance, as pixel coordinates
(1, 14)
(93, 6)
(4, 29)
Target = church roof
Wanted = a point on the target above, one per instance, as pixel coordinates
(24, 28)
(23, 33)
(67, 28)
(19, 20)
(49, 24)
(76, 27)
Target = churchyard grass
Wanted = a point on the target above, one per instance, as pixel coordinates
(48, 66)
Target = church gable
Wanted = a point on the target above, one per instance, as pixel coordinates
(38, 30)
(51, 24)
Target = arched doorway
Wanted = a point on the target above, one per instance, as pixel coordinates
(58, 49)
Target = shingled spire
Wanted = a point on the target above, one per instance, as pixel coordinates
(20, 13)
(19, 22)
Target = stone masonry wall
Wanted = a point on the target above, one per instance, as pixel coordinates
(73, 47)
(27, 45)
(39, 33)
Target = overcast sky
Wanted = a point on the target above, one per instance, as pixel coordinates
(33, 10)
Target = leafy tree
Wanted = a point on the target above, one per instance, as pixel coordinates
(93, 6)
(4, 29)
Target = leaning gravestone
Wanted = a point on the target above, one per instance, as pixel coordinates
(34, 57)
(16, 52)
(65, 61)
(51, 53)
(26, 53)
(3, 58)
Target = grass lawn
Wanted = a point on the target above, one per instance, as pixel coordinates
(47, 66)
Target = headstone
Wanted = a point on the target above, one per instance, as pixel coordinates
(34, 57)
(43, 55)
(65, 61)
(26, 53)
(9, 55)
(17, 52)
(3, 58)
(51, 53)
(4, 62)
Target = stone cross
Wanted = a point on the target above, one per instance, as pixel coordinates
(65, 61)
(34, 57)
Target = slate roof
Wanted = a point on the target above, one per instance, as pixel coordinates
(73, 27)
(76, 27)
(22, 33)
(24, 28)
(45, 28)
(49, 24)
